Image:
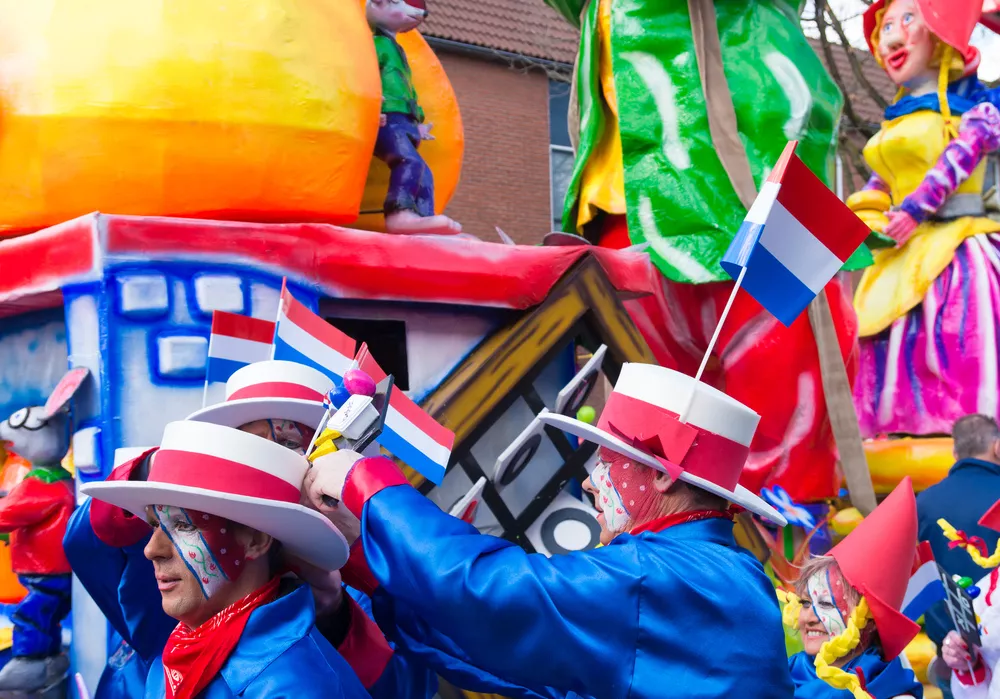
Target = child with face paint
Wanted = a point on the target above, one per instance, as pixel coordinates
(846, 607)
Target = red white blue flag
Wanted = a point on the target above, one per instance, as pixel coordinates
(795, 238)
(236, 341)
(303, 337)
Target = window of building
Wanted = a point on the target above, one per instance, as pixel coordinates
(386, 341)
(560, 148)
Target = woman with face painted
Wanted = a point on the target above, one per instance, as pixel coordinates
(670, 605)
(846, 607)
(222, 505)
(291, 396)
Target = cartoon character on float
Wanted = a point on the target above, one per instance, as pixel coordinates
(671, 151)
(167, 114)
(929, 306)
(35, 514)
(409, 201)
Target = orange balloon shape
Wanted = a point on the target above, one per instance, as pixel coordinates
(262, 110)
(444, 154)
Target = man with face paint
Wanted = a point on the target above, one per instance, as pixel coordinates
(846, 607)
(221, 505)
(670, 604)
(292, 394)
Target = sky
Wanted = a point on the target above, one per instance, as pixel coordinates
(850, 11)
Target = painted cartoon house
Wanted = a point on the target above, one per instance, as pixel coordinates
(483, 335)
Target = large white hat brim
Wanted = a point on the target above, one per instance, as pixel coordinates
(236, 413)
(741, 496)
(303, 532)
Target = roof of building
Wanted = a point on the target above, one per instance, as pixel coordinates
(341, 262)
(531, 28)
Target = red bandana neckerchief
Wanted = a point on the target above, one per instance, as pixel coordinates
(661, 523)
(193, 657)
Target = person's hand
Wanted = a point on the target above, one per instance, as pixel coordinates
(901, 226)
(326, 584)
(323, 489)
(955, 652)
(425, 132)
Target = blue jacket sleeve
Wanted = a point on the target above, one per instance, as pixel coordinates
(305, 671)
(403, 677)
(122, 583)
(502, 609)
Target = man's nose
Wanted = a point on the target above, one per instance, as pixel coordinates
(159, 546)
(588, 485)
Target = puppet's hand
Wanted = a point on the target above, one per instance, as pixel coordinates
(425, 132)
(901, 226)
(955, 652)
(383, 120)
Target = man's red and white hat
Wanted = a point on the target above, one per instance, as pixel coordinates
(236, 475)
(270, 390)
(641, 419)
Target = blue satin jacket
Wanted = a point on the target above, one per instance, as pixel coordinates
(683, 612)
(884, 680)
(281, 654)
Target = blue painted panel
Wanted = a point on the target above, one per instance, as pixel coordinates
(33, 357)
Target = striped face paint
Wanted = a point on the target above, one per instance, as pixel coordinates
(206, 543)
(616, 515)
(829, 602)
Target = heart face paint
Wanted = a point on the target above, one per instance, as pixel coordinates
(616, 515)
(829, 602)
(206, 543)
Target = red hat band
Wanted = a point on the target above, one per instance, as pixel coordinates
(277, 389)
(679, 447)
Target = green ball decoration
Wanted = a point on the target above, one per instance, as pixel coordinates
(964, 582)
(586, 414)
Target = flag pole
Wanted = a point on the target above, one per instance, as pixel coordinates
(711, 344)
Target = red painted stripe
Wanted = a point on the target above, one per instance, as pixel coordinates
(403, 404)
(817, 208)
(779, 167)
(710, 456)
(213, 473)
(277, 389)
(42, 262)
(242, 327)
(354, 264)
(301, 316)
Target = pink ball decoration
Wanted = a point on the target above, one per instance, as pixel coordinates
(358, 383)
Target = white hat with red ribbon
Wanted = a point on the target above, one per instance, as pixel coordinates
(235, 475)
(270, 390)
(642, 419)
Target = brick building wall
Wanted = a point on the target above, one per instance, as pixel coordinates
(505, 175)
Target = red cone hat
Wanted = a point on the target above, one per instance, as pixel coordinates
(876, 559)
(991, 520)
(952, 21)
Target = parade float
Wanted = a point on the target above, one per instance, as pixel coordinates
(228, 150)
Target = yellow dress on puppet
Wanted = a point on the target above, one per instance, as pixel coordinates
(928, 308)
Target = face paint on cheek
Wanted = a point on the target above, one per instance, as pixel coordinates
(829, 606)
(206, 543)
(289, 435)
(616, 515)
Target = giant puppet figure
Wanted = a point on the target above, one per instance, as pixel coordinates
(929, 307)
(670, 151)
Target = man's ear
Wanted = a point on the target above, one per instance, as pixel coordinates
(662, 481)
(258, 545)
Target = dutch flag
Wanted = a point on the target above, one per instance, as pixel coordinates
(925, 587)
(303, 337)
(235, 342)
(409, 433)
(795, 238)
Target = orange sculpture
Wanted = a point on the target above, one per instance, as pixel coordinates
(265, 110)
